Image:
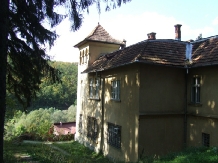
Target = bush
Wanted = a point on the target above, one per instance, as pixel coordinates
(36, 124)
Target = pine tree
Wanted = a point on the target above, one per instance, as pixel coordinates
(23, 60)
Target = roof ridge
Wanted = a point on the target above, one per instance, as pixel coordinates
(204, 39)
(93, 31)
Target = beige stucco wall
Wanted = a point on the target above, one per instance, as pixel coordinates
(162, 102)
(208, 91)
(203, 118)
(160, 134)
(162, 89)
(197, 126)
(91, 108)
(97, 48)
(85, 106)
(123, 113)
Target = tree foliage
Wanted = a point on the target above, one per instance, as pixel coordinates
(37, 122)
(22, 38)
(27, 60)
(59, 95)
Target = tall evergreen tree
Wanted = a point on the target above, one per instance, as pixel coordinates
(23, 60)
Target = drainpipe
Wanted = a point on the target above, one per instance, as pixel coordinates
(185, 107)
(102, 117)
(187, 63)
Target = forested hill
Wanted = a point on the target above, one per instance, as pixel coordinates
(59, 95)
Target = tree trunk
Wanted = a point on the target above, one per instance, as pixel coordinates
(4, 8)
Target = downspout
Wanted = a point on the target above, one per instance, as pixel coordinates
(185, 107)
(187, 63)
(102, 117)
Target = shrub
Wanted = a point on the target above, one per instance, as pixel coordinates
(37, 123)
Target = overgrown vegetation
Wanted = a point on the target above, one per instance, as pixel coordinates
(190, 155)
(54, 153)
(37, 123)
(73, 152)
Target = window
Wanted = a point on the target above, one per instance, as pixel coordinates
(114, 135)
(205, 139)
(115, 90)
(86, 56)
(80, 124)
(97, 85)
(91, 90)
(80, 57)
(195, 96)
(94, 86)
(92, 128)
(83, 57)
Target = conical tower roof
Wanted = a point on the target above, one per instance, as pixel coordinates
(99, 34)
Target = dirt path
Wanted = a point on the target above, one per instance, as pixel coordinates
(28, 159)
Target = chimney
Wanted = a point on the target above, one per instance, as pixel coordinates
(178, 32)
(124, 44)
(151, 36)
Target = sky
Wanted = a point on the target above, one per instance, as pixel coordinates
(134, 20)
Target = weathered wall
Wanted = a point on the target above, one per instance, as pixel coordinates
(123, 113)
(96, 49)
(160, 134)
(162, 103)
(208, 91)
(162, 89)
(85, 106)
(197, 126)
(203, 117)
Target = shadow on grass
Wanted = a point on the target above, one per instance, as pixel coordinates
(190, 155)
(46, 153)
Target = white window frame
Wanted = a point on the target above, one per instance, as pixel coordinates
(91, 89)
(94, 88)
(195, 91)
(115, 90)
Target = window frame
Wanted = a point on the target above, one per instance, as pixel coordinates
(196, 90)
(80, 124)
(205, 139)
(114, 135)
(94, 88)
(92, 128)
(115, 90)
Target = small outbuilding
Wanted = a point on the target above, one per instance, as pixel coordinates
(64, 128)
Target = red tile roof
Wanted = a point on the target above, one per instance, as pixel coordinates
(205, 52)
(99, 34)
(160, 52)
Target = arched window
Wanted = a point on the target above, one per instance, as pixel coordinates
(80, 59)
(83, 57)
(87, 55)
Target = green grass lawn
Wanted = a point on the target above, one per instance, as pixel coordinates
(65, 152)
(190, 155)
(73, 152)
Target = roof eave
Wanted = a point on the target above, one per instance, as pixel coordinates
(125, 64)
(86, 40)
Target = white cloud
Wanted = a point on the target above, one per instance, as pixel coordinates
(215, 21)
(133, 28)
